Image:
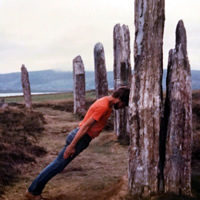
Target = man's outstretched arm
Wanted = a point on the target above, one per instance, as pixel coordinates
(70, 150)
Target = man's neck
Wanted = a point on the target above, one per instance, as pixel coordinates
(111, 101)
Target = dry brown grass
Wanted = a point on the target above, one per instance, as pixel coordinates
(18, 130)
(94, 174)
(99, 173)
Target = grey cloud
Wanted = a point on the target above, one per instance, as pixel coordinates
(49, 34)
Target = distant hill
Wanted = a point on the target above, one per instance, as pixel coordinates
(59, 81)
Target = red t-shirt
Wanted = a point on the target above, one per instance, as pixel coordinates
(100, 111)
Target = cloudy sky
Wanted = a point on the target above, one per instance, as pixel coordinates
(48, 34)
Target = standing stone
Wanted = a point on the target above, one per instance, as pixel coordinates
(26, 87)
(101, 83)
(146, 97)
(178, 117)
(122, 76)
(2, 102)
(79, 85)
(3, 105)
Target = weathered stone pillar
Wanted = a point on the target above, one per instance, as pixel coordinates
(146, 97)
(79, 85)
(101, 83)
(26, 87)
(122, 76)
(178, 117)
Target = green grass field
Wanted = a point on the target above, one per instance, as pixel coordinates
(47, 97)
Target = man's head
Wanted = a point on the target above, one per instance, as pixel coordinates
(122, 94)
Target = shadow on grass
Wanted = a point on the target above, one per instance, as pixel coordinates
(196, 186)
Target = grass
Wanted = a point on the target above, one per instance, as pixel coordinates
(18, 131)
(100, 175)
(104, 148)
(47, 97)
(40, 97)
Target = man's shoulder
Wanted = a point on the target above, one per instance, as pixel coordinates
(101, 103)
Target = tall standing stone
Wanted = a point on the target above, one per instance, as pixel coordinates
(79, 85)
(146, 97)
(101, 83)
(26, 87)
(122, 76)
(178, 117)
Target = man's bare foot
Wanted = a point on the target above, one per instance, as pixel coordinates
(30, 196)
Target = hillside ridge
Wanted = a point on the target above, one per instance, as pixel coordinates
(61, 81)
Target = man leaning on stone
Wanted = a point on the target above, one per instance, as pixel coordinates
(79, 139)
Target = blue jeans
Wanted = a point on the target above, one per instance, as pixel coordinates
(59, 163)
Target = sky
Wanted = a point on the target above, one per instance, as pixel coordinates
(49, 34)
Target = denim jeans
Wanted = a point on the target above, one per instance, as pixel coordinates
(59, 163)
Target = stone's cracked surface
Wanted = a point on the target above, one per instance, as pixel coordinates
(142, 7)
(122, 76)
(178, 117)
(79, 85)
(101, 83)
(146, 97)
(26, 87)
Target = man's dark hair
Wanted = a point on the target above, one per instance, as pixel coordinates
(123, 94)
